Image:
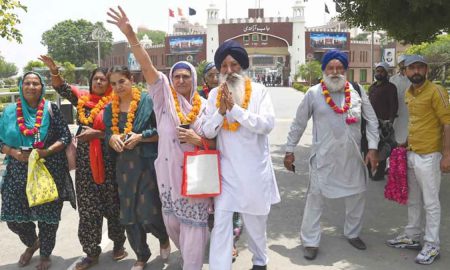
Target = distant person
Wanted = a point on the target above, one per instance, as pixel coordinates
(383, 97)
(210, 79)
(428, 157)
(337, 168)
(402, 83)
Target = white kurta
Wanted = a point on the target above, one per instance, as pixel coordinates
(248, 180)
(401, 122)
(340, 166)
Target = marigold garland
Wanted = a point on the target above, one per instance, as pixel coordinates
(21, 120)
(131, 112)
(192, 115)
(94, 111)
(330, 101)
(248, 92)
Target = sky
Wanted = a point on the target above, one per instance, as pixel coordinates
(42, 15)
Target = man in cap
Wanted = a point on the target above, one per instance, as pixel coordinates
(337, 167)
(383, 97)
(210, 79)
(240, 116)
(428, 156)
(402, 83)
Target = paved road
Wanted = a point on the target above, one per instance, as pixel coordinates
(383, 219)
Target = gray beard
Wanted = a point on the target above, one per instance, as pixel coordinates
(334, 83)
(236, 85)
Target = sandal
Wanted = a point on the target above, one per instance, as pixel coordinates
(138, 265)
(119, 254)
(44, 263)
(86, 263)
(235, 254)
(25, 258)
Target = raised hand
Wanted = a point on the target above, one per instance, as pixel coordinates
(120, 19)
(48, 61)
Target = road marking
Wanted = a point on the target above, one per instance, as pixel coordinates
(105, 242)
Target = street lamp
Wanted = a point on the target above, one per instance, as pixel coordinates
(98, 35)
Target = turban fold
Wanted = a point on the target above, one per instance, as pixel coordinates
(234, 49)
(334, 54)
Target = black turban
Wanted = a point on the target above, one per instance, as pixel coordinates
(234, 49)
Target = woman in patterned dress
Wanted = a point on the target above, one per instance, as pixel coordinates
(96, 188)
(131, 133)
(49, 132)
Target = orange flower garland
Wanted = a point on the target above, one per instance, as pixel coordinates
(131, 112)
(21, 120)
(330, 101)
(98, 108)
(248, 92)
(192, 115)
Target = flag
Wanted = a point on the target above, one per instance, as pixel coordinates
(192, 12)
(326, 9)
(171, 13)
(180, 12)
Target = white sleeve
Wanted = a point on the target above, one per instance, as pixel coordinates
(298, 126)
(213, 120)
(368, 113)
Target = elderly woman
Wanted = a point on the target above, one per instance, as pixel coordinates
(47, 130)
(96, 188)
(176, 102)
(131, 133)
(210, 79)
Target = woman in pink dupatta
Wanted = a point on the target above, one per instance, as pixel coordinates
(186, 219)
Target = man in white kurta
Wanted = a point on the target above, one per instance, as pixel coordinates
(402, 83)
(248, 180)
(337, 167)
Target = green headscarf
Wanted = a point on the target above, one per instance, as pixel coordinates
(9, 129)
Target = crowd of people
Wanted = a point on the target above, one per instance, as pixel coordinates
(131, 145)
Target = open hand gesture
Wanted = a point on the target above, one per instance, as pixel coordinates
(48, 61)
(120, 19)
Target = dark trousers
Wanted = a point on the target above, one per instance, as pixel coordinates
(27, 234)
(137, 237)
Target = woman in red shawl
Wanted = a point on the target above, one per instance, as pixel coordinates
(97, 194)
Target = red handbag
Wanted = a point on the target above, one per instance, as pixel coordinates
(201, 173)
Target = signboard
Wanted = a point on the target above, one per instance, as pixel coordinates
(325, 40)
(188, 44)
(133, 65)
(389, 56)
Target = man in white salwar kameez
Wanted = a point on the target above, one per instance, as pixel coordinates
(240, 116)
(337, 167)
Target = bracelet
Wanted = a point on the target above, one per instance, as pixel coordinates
(135, 44)
(55, 75)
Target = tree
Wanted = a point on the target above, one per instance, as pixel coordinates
(9, 20)
(33, 64)
(437, 54)
(200, 68)
(410, 21)
(71, 41)
(7, 69)
(68, 72)
(311, 71)
(88, 67)
(157, 37)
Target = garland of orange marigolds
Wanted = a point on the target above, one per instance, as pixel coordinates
(330, 101)
(192, 115)
(248, 92)
(96, 110)
(131, 112)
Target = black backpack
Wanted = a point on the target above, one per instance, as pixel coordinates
(364, 142)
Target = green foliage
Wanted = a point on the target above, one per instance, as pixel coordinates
(71, 41)
(300, 87)
(411, 21)
(88, 67)
(69, 72)
(7, 69)
(201, 66)
(9, 20)
(310, 71)
(157, 36)
(33, 64)
(361, 36)
(437, 54)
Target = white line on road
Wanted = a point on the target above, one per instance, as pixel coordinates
(105, 242)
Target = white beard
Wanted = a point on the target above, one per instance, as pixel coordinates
(334, 83)
(236, 85)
